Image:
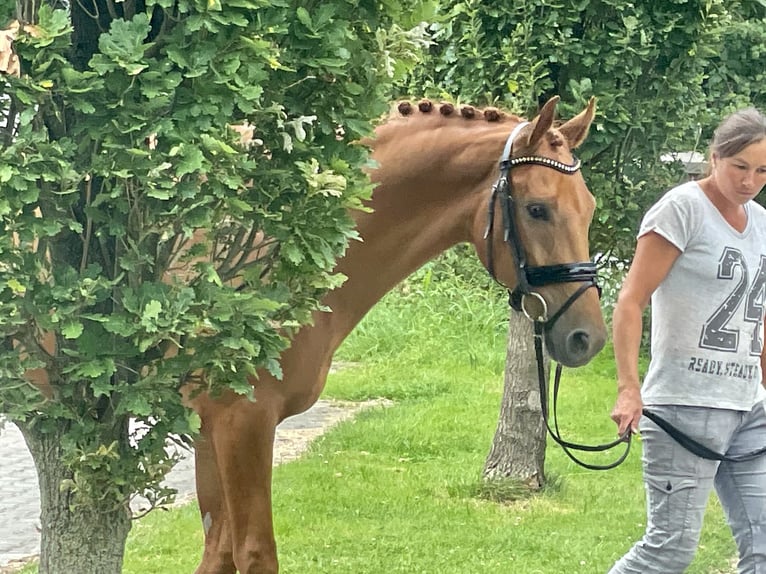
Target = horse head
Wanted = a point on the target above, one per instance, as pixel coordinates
(533, 237)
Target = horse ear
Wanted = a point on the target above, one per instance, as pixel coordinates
(543, 122)
(576, 130)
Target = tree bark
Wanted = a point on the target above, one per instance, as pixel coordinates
(518, 448)
(74, 539)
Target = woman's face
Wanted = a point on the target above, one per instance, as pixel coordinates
(741, 176)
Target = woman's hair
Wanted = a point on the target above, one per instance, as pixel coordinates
(737, 131)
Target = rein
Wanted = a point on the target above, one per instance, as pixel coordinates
(528, 277)
(697, 448)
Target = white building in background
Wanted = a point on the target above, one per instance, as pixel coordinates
(695, 164)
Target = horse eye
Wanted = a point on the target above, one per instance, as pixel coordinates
(538, 211)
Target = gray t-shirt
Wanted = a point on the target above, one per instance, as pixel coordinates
(707, 314)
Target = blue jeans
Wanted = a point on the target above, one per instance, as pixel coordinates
(678, 485)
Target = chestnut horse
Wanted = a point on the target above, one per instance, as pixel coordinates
(436, 166)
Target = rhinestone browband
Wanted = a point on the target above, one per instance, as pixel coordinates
(539, 160)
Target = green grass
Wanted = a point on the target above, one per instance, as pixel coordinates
(395, 489)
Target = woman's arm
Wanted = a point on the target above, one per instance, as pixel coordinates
(652, 261)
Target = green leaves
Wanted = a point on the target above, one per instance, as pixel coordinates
(664, 74)
(304, 17)
(123, 46)
(142, 238)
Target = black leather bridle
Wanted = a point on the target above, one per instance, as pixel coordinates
(529, 277)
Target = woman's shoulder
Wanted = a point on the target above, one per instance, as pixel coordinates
(687, 196)
(687, 191)
(757, 209)
(678, 215)
(757, 215)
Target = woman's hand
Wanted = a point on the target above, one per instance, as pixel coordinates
(627, 410)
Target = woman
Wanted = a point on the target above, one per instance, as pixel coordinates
(701, 258)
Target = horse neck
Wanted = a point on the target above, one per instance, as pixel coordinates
(433, 183)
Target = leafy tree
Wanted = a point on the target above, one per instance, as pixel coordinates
(663, 73)
(6, 12)
(174, 184)
(734, 74)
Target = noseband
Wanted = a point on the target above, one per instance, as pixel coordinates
(529, 277)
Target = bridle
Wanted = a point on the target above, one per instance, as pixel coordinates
(530, 277)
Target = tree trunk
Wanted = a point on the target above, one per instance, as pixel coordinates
(518, 448)
(74, 540)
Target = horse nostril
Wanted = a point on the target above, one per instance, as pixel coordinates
(578, 343)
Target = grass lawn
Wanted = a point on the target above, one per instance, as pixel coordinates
(394, 490)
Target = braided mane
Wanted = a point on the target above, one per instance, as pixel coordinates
(426, 106)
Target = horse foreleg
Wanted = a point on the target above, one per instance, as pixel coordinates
(243, 444)
(217, 557)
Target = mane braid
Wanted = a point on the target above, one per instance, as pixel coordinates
(492, 114)
(446, 109)
(425, 106)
